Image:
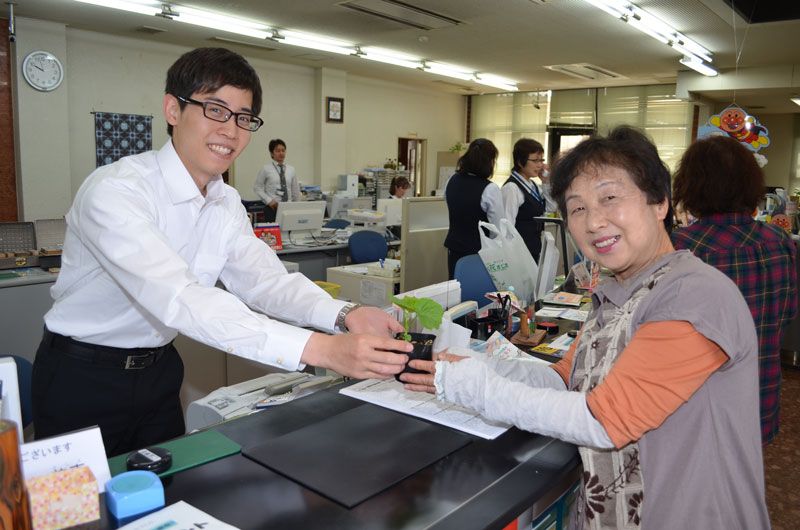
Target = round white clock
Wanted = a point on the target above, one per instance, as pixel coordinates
(42, 70)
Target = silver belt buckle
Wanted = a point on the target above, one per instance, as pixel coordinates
(131, 362)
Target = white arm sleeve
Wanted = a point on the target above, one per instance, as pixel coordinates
(557, 413)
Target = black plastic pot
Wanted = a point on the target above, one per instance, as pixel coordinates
(423, 349)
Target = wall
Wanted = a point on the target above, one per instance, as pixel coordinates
(115, 74)
(380, 112)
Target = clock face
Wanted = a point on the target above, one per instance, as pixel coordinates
(42, 70)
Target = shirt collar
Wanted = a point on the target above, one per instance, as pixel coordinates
(180, 185)
(528, 184)
(619, 292)
(733, 218)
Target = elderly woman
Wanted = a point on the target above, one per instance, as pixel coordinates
(660, 390)
(720, 183)
(471, 197)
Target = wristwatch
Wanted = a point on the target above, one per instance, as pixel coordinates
(343, 312)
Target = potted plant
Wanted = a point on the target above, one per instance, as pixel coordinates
(429, 313)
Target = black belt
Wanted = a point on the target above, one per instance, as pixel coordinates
(125, 358)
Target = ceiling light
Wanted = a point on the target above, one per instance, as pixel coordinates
(447, 70)
(699, 67)
(497, 82)
(653, 26)
(143, 8)
(796, 101)
(314, 42)
(389, 57)
(207, 19)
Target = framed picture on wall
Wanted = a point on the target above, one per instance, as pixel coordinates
(335, 108)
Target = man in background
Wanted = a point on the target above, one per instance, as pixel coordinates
(277, 181)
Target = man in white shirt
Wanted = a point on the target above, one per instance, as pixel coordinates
(147, 239)
(277, 181)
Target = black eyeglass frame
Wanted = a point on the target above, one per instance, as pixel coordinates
(253, 119)
(534, 160)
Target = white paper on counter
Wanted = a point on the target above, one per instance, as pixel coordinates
(178, 515)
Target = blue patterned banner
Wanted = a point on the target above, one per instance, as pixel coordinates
(118, 135)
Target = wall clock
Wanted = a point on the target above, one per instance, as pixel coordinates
(42, 70)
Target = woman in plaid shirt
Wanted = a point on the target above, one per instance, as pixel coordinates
(720, 183)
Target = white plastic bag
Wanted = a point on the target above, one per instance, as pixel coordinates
(508, 260)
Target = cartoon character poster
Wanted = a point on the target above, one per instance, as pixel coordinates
(736, 123)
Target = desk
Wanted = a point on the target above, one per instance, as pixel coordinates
(485, 484)
(315, 261)
(24, 300)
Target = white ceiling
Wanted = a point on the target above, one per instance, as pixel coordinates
(515, 39)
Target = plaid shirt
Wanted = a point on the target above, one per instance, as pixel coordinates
(760, 259)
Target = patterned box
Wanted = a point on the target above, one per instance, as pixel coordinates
(269, 234)
(63, 498)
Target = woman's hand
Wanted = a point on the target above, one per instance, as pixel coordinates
(425, 382)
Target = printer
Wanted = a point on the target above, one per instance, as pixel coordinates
(228, 402)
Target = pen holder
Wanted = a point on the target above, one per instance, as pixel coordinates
(423, 349)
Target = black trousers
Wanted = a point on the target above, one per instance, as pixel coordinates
(452, 258)
(134, 407)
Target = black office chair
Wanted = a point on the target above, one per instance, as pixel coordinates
(474, 278)
(367, 246)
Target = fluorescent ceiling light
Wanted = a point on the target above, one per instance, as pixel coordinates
(220, 22)
(653, 26)
(247, 28)
(796, 101)
(143, 8)
(699, 67)
(497, 82)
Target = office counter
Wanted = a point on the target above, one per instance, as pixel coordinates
(485, 484)
(315, 261)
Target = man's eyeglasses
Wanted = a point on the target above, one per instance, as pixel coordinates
(536, 160)
(217, 112)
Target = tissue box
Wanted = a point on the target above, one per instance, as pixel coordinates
(63, 499)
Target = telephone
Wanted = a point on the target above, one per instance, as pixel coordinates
(230, 401)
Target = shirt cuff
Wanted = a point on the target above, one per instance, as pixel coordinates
(323, 316)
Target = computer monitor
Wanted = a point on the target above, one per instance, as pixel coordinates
(300, 218)
(393, 208)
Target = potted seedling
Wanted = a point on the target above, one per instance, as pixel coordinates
(429, 313)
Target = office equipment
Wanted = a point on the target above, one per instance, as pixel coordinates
(357, 285)
(548, 263)
(367, 220)
(321, 455)
(474, 278)
(366, 246)
(348, 186)
(303, 218)
(231, 401)
(393, 209)
(338, 205)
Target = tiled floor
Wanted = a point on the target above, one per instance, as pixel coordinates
(782, 459)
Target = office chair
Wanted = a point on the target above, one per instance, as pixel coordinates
(367, 246)
(474, 278)
(337, 223)
(24, 374)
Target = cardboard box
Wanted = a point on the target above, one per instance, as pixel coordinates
(63, 499)
(269, 234)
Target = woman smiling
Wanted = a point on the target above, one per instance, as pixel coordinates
(660, 389)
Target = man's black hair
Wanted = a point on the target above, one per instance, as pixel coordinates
(205, 70)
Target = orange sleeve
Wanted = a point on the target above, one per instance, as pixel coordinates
(564, 366)
(662, 366)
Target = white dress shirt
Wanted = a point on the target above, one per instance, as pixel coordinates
(513, 199)
(144, 250)
(268, 183)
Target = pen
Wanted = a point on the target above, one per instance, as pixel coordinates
(381, 260)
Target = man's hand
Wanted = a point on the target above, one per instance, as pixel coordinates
(273, 205)
(424, 382)
(373, 321)
(357, 355)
